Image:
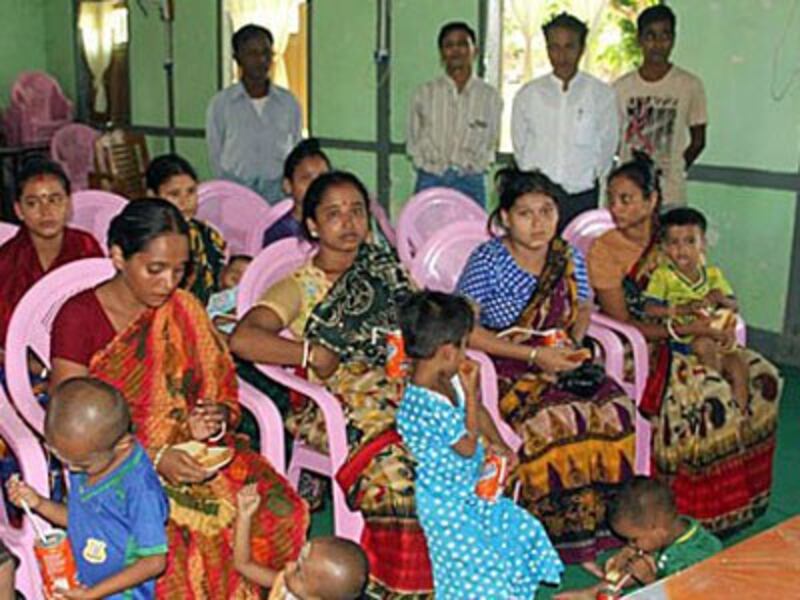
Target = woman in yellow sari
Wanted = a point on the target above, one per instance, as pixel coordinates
(155, 343)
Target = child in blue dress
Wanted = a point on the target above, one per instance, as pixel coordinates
(478, 548)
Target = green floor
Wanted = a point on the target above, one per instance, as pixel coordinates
(785, 488)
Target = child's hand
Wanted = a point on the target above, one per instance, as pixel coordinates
(715, 298)
(503, 450)
(469, 374)
(79, 593)
(19, 492)
(247, 501)
(619, 562)
(642, 568)
(692, 308)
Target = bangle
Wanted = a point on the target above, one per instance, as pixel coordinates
(532, 356)
(674, 335)
(306, 352)
(159, 455)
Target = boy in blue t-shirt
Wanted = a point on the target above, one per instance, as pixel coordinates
(116, 509)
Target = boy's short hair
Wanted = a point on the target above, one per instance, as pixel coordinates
(565, 20)
(40, 166)
(681, 217)
(248, 32)
(654, 14)
(641, 501)
(83, 403)
(430, 320)
(452, 26)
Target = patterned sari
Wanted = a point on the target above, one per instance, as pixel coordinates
(717, 458)
(378, 477)
(208, 259)
(164, 363)
(577, 451)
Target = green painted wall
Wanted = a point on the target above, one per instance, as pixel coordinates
(744, 56)
(21, 35)
(59, 43)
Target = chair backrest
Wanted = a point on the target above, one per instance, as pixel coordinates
(440, 260)
(382, 219)
(120, 161)
(33, 470)
(427, 212)
(40, 94)
(586, 227)
(238, 212)
(93, 210)
(7, 231)
(273, 263)
(72, 147)
(32, 320)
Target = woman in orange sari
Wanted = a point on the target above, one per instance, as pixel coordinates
(155, 343)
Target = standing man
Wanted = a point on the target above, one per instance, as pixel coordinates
(454, 121)
(661, 105)
(251, 126)
(565, 123)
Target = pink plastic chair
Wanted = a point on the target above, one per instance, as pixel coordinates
(382, 219)
(272, 264)
(438, 266)
(72, 147)
(40, 107)
(7, 231)
(583, 229)
(31, 322)
(427, 212)
(93, 210)
(33, 469)
(238, 212)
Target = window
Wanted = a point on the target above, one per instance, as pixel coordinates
(611, 47)
(287, 20)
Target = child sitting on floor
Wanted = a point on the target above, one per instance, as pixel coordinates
(222, 305)
(660, 541)
(699, 298)
(328, 568)
(479, 548)
(116, 509)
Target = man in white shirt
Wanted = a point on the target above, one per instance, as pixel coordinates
(565, 123)
(662, 107)
(251, 126)
(454, 120)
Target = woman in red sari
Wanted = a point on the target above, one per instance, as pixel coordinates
(43, 242)
(154, 342)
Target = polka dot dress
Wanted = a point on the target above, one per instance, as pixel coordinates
(479, 549)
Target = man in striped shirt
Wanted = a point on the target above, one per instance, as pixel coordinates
(454, 120)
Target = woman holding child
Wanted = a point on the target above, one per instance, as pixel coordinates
(716, 455)
(154, 343)
(576, 424)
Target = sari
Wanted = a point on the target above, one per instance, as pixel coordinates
(164, 362)
(577, 450)
(207, 248)
(378, 476)
(716, 457)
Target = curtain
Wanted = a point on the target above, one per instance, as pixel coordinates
(281, 17)
(102, 24)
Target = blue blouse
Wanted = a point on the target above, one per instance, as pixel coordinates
(502, 289)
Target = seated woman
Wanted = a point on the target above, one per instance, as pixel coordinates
(43, 242)
(578, 444)
(716, 456)
(171, 177)
(304, 164)
(154, 342)
(334, 305)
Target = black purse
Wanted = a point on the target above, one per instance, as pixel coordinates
(586, 379)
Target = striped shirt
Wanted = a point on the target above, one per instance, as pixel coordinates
(448, 129)
(501, 288)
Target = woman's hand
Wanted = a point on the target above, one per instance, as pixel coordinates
(19, 492)
(79, 593)
(322, 360)
(556, 360)
(179, 467)
(206, 420)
